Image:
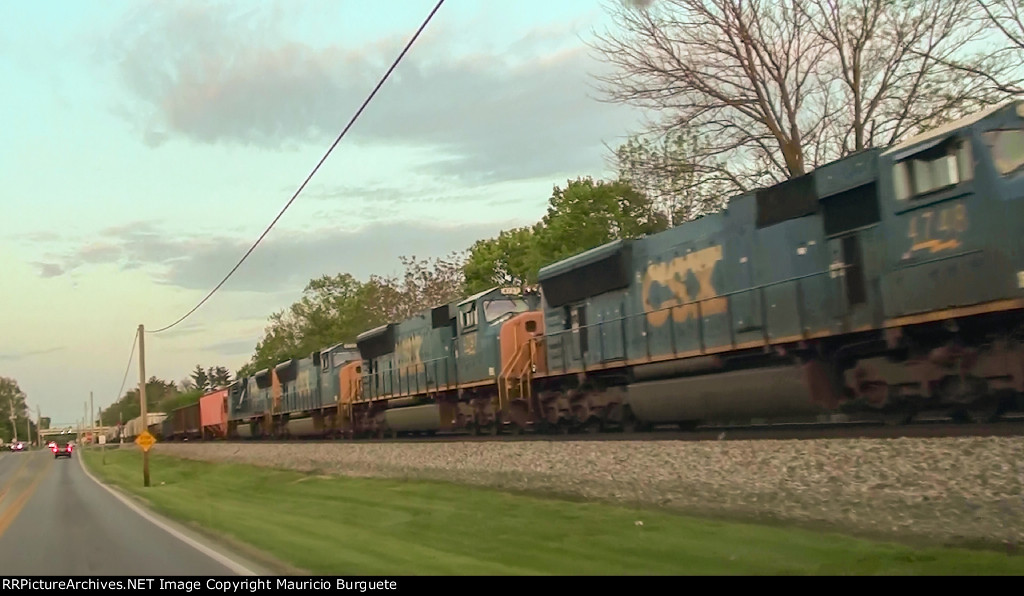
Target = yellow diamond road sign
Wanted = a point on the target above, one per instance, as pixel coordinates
(145, 440)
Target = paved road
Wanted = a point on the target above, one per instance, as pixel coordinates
(56, 520)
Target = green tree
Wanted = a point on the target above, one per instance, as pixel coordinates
(12, 399)
(584, 215)
(219, 377)
(173, 401)
(590, 213)
(511, 259)
(129, 407)
(332, 309)
(336, 309)
(210, 379)
(200, 380)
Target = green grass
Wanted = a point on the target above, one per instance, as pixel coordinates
(356, 526)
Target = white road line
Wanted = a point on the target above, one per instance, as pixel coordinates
(216, 556)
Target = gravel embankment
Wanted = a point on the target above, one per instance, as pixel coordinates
(967, 490)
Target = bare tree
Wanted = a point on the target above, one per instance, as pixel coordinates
(1007, 16)
(891, 65)
(660, 166)
(740, 73)
(774, 89)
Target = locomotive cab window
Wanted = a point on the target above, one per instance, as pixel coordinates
(469, 315)
(1007, 149)
(942, 165)
(498, 308)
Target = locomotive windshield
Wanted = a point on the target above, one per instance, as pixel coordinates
(1007, 146)
(497, 308)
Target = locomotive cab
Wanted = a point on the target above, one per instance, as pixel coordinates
(480, 318)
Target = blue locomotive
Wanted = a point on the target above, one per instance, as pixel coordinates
(888, 285)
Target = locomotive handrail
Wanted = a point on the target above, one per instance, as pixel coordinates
(392, 378)
(561, 333)
(407, 371)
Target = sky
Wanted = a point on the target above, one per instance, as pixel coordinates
(145, 146)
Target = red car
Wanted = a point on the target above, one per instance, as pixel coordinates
(61, 450)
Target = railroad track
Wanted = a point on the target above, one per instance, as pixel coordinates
(850, 430)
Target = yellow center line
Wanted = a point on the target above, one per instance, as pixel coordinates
(14, 478)
(11, 513)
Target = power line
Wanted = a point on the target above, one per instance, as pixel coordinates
(131, 355)
(320, 163)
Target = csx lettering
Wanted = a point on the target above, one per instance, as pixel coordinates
(931, 230)
(469, 343)
(672, 275)
(407, 351)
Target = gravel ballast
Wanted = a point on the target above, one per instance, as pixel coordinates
(946, 491)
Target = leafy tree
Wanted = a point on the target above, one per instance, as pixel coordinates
(336, 309)
(12, 399)
(129, 407)
(173, 401)
(590, 213)
(586, 214)
(511, 259)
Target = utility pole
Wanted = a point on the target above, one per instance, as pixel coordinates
(14, 419)
(92, 418)
(39, 428)
(142, 397)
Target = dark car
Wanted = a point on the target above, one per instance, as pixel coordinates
(61, 450)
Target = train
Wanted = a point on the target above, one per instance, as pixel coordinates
(887, 285)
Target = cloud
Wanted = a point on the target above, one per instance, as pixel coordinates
(211, 75)
(9, 356)
(50, 269)
(284, 261)
(234, 347)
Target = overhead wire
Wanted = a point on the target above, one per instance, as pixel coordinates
(128, 367)
(315, 169)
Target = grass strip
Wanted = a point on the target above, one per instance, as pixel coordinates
(333, 525)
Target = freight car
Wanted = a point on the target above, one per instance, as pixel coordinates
(207, 418)
(182, 423)
(885, 285)
(133, 427)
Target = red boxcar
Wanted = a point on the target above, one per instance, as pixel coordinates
(213, 413)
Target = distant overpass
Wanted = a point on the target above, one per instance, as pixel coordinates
(72, 431)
